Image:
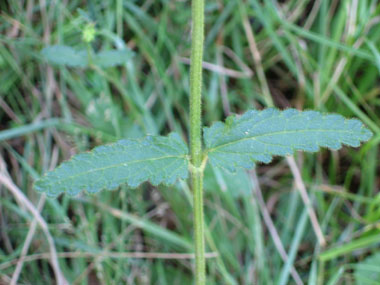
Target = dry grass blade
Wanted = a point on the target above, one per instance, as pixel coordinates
(301, 187)
(271, 227)
(19, 195)
(27, 243)
(247, 73)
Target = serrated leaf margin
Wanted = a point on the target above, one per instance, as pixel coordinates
(113, 185)
(232, 123)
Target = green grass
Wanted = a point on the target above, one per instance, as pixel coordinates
(321, 55)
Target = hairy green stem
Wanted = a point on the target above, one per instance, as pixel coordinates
(196, 136)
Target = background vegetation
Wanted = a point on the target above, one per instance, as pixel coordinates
(321, 55)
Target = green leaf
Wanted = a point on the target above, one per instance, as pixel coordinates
(65, 55)
(68, 56)
(259, 135)
(154, 158)
(368, 271)
(109, 58)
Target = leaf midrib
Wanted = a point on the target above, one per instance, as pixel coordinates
(275, 133)
(115, 165)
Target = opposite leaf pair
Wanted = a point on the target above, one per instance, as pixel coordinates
(240, 142)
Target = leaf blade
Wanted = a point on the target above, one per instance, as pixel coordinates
(65, 56)
(154, 158)
(110, 58)
(257, 136)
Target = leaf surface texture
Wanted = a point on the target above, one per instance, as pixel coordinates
(257, 136)
(156, 159)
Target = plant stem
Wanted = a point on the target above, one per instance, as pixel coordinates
(200, 264)
(196, 136)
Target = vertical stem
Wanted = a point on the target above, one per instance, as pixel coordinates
(195, 136)
(196, 81)
(200, 264)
